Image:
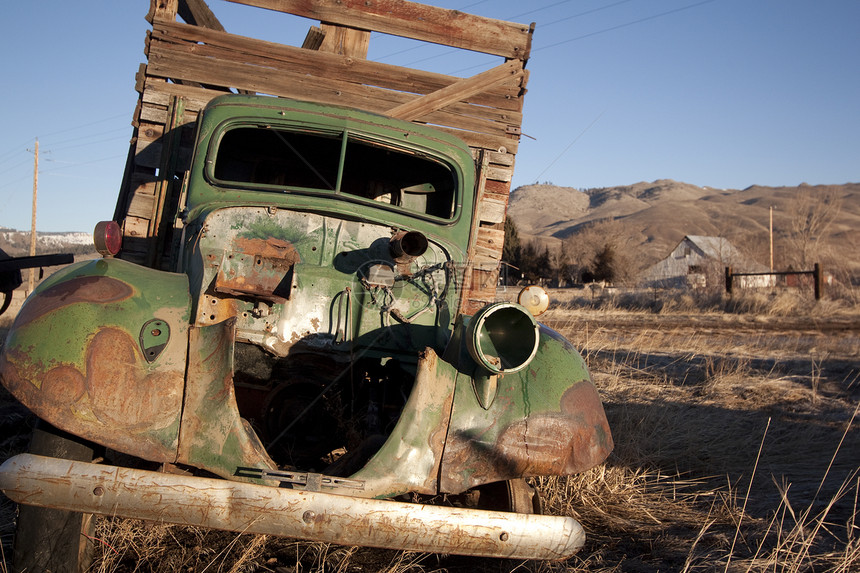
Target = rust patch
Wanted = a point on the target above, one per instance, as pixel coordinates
(101, 290)
(64, 383)
(119, 394)
(118, 403)
(258, 267)
(270, 248)
(567, 442)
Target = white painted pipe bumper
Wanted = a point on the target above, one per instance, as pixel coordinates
(318, 516)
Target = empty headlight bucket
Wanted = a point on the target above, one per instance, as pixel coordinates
(503, 337)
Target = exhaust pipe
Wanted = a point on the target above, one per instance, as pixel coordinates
(310, 515)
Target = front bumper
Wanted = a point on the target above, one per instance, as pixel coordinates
(318, 516)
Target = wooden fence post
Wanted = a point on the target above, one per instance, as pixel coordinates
(816, 276)
(729, 279)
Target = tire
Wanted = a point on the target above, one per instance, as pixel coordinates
(515, 496)
(51, 539)
(7, 300)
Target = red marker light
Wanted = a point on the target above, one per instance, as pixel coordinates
(107, 238)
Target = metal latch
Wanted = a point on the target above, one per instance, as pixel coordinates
(305, 480)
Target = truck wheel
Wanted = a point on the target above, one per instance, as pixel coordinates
(7, 300)
(514, 495)
(52, 539)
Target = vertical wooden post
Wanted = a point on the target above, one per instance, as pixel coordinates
(31, 282)
(771, 238)
(729, 279)
(164, 10)
(816, 276)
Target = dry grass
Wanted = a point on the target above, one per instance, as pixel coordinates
(737, 450)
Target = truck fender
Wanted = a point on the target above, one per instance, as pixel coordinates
(99, 350)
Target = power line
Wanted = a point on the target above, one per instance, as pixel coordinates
(569, 145)
(420, 46)
(84, 163)
(639, 21)
(84, 144)
(567, 18)
(618, 27)
(14, 149)
(54, 144)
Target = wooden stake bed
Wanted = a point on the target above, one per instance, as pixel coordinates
(191, 63)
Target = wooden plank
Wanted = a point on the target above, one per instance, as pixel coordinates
(345, 41)
(483, 141)
(496, 158)
(184, 65)
(417, 21)
(135, 227)
(499, 173)
(456, 92)
(489, 243)
(492, 209)
(194, 63)
(197, 13)
(162, 10)
(142, 206)
(314, 38)
(158, 92)
(505, 96)
(148, 149)
(498, 187)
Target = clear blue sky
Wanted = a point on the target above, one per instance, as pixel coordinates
(719, 93)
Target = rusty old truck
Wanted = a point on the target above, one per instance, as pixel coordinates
(293, 329)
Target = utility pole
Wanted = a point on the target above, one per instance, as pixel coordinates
(32, 282)
(771, 238)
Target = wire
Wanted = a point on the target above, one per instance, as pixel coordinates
(618, 27)
(83, 163)
(639, 21)
(53, 144)
(423, 45)
(567, 18)
(575, 139)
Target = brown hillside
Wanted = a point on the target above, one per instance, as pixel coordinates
(661, 213)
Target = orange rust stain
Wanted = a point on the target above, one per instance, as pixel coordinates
(64, 384)
(118, 391)
(270, 248)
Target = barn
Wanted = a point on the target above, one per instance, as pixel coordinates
(699, 262)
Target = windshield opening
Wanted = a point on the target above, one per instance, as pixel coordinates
(269, 159)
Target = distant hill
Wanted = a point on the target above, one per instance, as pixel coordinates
(17, 243)
(661, 213)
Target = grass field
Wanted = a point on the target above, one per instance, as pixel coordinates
(737, 449)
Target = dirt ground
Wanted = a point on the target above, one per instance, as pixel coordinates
(737, 449)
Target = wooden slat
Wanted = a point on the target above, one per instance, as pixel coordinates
(345, 41)
(135, 227)
(499, 173)
(492, 208)
(142, 205)
(188, 65)
(314, 38)
(483, 141)
(411, 20)
(506, 96)
(148, 150)
(197, 12)
(489, 243)
(162, 10)
(498, 187)
(505, 159)
(456, 92)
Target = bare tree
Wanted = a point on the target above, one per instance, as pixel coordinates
(605, 250)
(811, 213)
